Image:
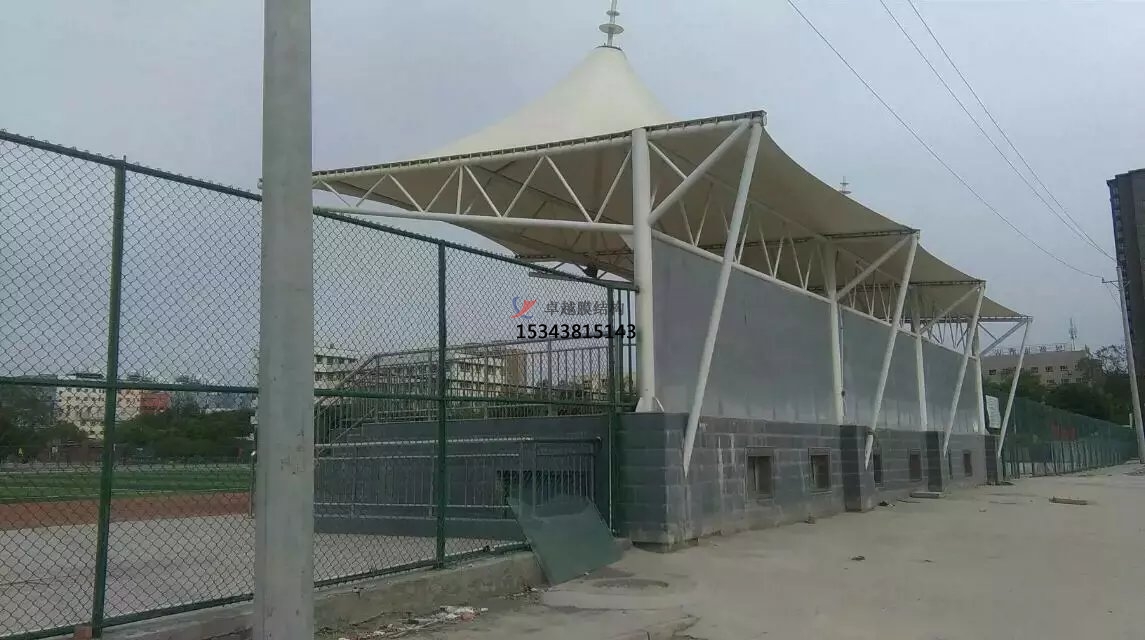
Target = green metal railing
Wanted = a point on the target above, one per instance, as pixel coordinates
(128, 397)
(1043, 440)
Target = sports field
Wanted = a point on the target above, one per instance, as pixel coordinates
(39, 483)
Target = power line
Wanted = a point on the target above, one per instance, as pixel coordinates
(1075, 228)
(998, 126)
(928, 148)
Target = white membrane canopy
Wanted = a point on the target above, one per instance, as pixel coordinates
(566, 156)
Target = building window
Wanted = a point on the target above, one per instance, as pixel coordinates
(1049, 369)
(993, 372)
(1063, 368)
(820, 470)
(877, 466)
(760, 473)
(915, 464)
(967, 464)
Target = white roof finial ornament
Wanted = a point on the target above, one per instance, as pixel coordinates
(610, 28)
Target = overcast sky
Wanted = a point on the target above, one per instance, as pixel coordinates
(178, 86)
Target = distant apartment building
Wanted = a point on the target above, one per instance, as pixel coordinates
(1054, 364)
(84, 406)
(332, 365)
(1127, 204)
(473, 370)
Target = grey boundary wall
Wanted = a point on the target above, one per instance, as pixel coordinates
(653, 502)
(660, 508)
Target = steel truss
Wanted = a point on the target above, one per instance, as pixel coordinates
(791, 258)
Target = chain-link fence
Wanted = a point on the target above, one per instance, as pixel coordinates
(447, 381)
(1043, 440)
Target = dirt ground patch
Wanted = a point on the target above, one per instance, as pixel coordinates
(29, 515)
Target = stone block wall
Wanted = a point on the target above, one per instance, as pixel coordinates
(727, 488)
(965, 465)
(659, 506)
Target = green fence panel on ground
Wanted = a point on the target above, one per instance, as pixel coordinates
(1043, 440)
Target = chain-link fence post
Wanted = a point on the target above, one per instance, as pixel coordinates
(613, 468)
(111, 377)
(442, 473)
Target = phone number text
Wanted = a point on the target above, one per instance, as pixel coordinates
(567, 331)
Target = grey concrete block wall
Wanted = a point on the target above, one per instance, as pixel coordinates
(991, 445)
(963, 466)
(966, 464)
(894, 450)
(659, 506)
(889, 475)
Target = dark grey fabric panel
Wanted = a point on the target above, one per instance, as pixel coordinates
(941, 366)
(772, 358)
(864, 342)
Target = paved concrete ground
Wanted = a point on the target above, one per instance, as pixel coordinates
(994, 562)
(46, 573)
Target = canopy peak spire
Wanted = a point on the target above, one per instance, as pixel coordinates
(610, 28)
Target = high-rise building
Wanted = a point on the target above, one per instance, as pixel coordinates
(1127, 201)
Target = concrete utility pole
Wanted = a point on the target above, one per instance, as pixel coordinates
(1132, 368)
(284, 491)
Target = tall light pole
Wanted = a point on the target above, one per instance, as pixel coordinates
(1131, 366)
(284, 490)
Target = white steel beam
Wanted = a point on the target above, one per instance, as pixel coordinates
(888, 355)
(997, 341)
(967, 344)
(699, 172)
(745, 177)
(284, 474)
(1013, 391)
(708, 255)
(829, 255)
(481, 190)
(919, 363)
(953, 305)
(612, 187)
(875, 265)
(568, 188)
(642, 270)
(979, 394)
(479, 220)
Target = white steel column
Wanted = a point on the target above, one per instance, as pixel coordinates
(731, 243)
(978, 392)
(919, 363)
(1013, 391)
(888, 355)
(284, 493)
(642, 270)
(971, 328)
(1131, 365)
(830, 284)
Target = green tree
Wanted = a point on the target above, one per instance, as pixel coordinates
(1080, 398)
(186, 432)
(1029, 386)
(27, 424)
